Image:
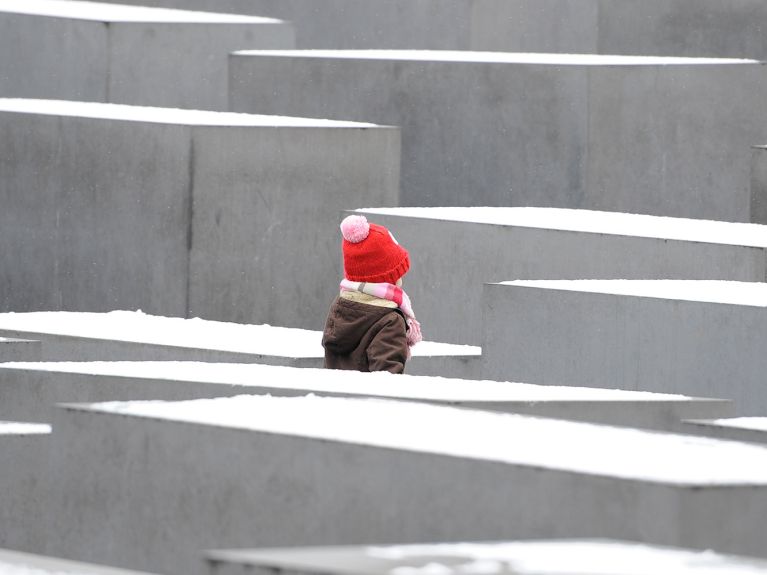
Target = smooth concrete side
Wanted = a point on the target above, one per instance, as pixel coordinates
(98, 222)
(160, 64)
(654, 139)
(720, 430)
(25, 516)
(20, 350)
(279, 490)
(31, 395)
(265, 245)
(454, 259)
(559, 337)
(759, 184)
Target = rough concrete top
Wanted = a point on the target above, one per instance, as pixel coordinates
(583, 448)
(16, 563)
(710, 291)
(747, 423)
(548, 557)
(495, 57)
(137, 327)
(17, 428)
(102, 12)
(122, 112)
(380, 384)
(595, 222)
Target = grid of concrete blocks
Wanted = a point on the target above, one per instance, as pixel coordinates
(582, 187)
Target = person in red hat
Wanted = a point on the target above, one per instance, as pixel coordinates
(371, 325)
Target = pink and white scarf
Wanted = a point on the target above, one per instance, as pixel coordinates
(392, 293)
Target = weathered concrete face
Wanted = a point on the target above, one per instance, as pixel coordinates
(747, 429)
(759, 184)
(630, 135)
(30, 391)
(161, 61)
(453, 252)
(20, 350)
(555, 336)
(279, 489)
(123, 212)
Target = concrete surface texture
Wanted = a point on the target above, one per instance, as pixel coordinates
(13, 562)
(748, 429)
(136, 336)
(131, 55)
(30, 391)
(656, 27)
(759, 183)
(20, 350)
(631, 134)
(181, 212)
(279, 476)
(455, 250)
(536, 557)
(695, 337)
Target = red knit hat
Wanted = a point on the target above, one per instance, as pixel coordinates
(371, 254)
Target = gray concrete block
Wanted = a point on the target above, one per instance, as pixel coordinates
(644, 135)
(135, 336)
(748, 429)
(455, 250)
(30, 391)
(759, 183)
(703, 338)
(536, 557)
(23, 484)
(131, 55)
(14, 562)
(20, 350)
(259, 471)
(181, 212)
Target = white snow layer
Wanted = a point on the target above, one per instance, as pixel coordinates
(137, 327)
(596, 222)
(709, 291)
(18, 428)
(380, 384)
(565, 557)
(748, 423)
(102, 12)
(495, 57)
(153, 115)
(512, 439)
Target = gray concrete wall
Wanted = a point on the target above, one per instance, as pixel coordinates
(723, 430)
(180, 488)
(228, 223)
(30, 394)
(148, 63)
(453, 259)
(759, 183)
(20, 350)
(658, 139)
(562, 337)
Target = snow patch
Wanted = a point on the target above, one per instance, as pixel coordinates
(16, 428)
(747, 423)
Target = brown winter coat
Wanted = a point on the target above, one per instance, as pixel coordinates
(364, 337)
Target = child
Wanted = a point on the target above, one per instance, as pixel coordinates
(371, 325)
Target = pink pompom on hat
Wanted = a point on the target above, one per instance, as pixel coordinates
(371, 254)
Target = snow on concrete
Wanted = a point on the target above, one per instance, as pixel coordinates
(596, 222)
(18, 563)
(748, 423)
(495, 57)
(543, 557)
(137, 327)
(16, 428)
(711, 291)
(153, 115)
(102, 12)
(425, 428)
(380, 384)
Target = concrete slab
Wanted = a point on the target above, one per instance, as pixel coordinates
(657, 27)
(749, 429)
(541, 557)
(759, 183)
(455, 250)
(23, 484)
(15, 563)
(224, 203)
(652, 135)
(30, 391)
(317, 471)
(12, 349)
(698, 337)
(135, 336)
(127, 54)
